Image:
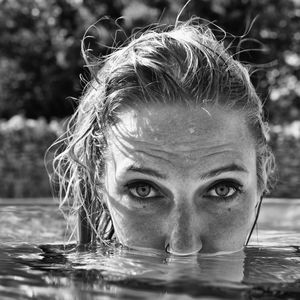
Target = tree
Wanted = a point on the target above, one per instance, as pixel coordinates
(40, 61)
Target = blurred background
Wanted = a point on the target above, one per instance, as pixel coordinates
(41, 66)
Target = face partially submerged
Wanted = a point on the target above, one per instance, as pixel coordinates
(181, 177)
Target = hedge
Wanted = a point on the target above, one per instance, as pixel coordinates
(23, 143)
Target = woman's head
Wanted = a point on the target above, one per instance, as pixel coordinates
(171, 103)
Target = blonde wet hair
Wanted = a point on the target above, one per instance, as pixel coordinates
(184, 63)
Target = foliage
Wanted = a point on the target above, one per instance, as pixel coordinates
(22, 149)
(285, 143)
(40, 60)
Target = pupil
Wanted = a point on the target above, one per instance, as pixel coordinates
(143, 190)
(222, 190)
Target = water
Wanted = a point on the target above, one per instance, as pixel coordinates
(37, 262)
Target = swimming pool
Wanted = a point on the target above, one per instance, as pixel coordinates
(33, 264)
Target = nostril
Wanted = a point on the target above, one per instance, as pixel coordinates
(168, 249)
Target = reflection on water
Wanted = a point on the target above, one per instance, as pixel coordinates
(268, 269)
(47, 271)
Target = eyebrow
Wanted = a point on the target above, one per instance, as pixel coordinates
(154, 173)
(230, 168)
(147, 171)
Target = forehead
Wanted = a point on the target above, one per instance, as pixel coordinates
(180, 135)
(175, 124)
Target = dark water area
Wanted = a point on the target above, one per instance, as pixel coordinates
(38, 262)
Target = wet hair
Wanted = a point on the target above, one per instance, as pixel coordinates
(183, 63)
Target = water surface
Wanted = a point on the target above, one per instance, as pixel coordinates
(38, 262)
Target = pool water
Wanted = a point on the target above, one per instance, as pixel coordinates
(38, 262)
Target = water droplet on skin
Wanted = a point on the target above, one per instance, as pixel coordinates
(191, 130)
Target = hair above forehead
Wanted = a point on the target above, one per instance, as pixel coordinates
(174, 63)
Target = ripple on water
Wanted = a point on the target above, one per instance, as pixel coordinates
(267, 269)
(56, 272)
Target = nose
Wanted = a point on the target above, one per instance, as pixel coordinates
(185, 234)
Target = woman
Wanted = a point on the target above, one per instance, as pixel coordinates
(167, 149)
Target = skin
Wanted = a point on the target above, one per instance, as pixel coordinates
(181, 178)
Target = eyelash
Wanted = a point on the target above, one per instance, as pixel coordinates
(237, 187)
(134, 185)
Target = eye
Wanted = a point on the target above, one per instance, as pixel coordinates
(224, 190)
(142, 190)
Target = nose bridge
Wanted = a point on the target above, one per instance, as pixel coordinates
(185, 230)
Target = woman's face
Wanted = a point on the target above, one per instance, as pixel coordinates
(182, 178)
